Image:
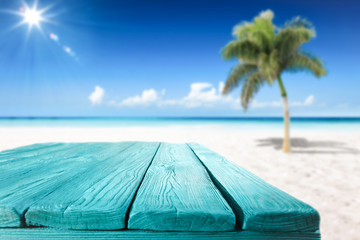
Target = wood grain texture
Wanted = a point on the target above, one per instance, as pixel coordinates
(258, 206)
(177, 194)
(43, 233)
(99, 195)
(32, 177)
(28, 159)
(20, 153)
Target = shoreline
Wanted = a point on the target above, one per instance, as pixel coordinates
(214, 126)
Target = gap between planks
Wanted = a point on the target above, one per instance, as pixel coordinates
(133, 199)
(226, 195)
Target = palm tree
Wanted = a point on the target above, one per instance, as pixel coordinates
(264, 52)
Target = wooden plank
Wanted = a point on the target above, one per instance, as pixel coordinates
(98, 197)
(48, 233)
(178, 195)
(15, 166)
(19, 182)
(258, 206)
(7, 156)
(27, 151)
(25, 164)
(44, 174)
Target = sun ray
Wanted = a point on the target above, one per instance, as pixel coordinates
(32, 16)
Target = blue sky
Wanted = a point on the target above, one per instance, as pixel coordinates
(161, 58)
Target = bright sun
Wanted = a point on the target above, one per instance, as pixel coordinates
(32, 17)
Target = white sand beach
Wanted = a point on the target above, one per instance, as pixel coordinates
(323, 169)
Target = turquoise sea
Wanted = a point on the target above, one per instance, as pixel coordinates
(323, 123)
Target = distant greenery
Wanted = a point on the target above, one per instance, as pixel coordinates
(264, 52)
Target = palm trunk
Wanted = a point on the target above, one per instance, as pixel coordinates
(286, 141)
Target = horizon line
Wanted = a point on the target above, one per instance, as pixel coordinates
(178, 117)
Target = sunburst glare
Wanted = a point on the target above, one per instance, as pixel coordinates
(32, 16)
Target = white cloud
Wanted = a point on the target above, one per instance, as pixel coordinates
(97, 95)
(201, 94)
(307, 102)
(221, 86)
(147, 97)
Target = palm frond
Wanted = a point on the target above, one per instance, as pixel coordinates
(300, 22)
(306, 61)
(243, 50)
(289, 39)
(250, 87)
(263, 24)
(238, 73)
(241, 30)
(269, 66)
(261, 31)
(262, 39)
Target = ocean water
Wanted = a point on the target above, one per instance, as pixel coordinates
(333, 123)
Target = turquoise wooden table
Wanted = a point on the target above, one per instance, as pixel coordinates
(137, 190)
